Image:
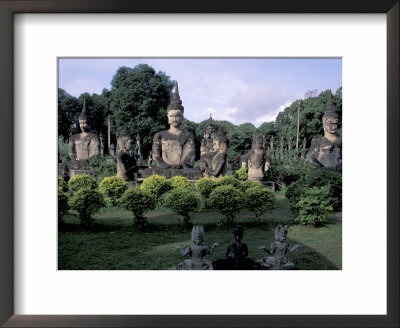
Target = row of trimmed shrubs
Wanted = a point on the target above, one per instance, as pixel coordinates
(227, 195)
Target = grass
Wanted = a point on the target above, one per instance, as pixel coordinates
(114, 244)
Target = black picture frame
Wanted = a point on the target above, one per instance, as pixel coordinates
(10, 7)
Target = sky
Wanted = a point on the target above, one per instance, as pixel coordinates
(238, 90)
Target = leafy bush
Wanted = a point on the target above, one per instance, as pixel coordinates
(205, 186)
(314, 206)
(62, 185)
(138, 201)
(86, 202)
(155, 184)
(113, 187)
(80, 181)
(180, 182)
(184, 202)
(319, 177)
(63, 206)
(229, 180)
(250, 184)
(294, 192)
(227, 200)
(241, 174)
(103, 166)
(283, 174)
(259, 201)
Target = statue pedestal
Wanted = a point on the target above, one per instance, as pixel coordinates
(191, 174)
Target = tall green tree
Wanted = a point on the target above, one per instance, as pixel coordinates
(138, 101)
(67, 109)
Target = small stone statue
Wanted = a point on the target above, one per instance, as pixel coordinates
(236, 255)
(214, 163)
(111, 151)
(278, 250)
(327, 150)
(256, 160)
(197, 250)
(126, 163)
(150, 160)
(174, 148)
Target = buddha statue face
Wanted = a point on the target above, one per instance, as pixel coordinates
(125, 143)
(83, 125)
(198, 239)
(175, 118)
(330, 125)
(258, 143)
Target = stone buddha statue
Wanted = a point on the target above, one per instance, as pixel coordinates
(197, 251)
(174, 148)
(82, 147)
(214, 163)
(256, 160)
(327, 150)
(126, 162)
(278, 250)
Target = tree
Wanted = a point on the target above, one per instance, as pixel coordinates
(139, 98)
(67, 109)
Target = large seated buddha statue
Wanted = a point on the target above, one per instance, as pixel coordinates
(82, 147)
(326, 151)
(173, 150)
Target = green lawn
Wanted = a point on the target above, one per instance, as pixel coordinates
(114, 244)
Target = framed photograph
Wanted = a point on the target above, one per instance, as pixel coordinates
(37, 36)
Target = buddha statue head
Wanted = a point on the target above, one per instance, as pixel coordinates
(198, 234)
(258, 143)
(220, 141)
(238, 233)
(124, 142)
(83, 119)
(330, 119)
(281, 232)
(175, 110)
(210, 128)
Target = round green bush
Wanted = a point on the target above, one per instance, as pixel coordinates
(80, 181)
(113, 187)
(259, 200)
(138, 201)
(184, 202)
(229, 180)
(227, 200)
(62, 185)
(155, 184)
(250, 184)
(294, 192)
(63, 206)
(205, 186)
(314, 206)
(179, 182)
(241, 174)
(86, 202)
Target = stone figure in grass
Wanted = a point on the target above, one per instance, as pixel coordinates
(327, 150)
(214, 163)
(126, 163)
(174, 148)
(278, 249)
(236, 254)
(256, 160)
(197, 250)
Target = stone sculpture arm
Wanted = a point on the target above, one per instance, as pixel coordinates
(72, 149)
(314, 150)
(211, 249)
(157, 152)
(217, 164)
(94, 146)
(292, 249)
(188, 153)
(187, 251)
(266, 166)
(271, 249)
